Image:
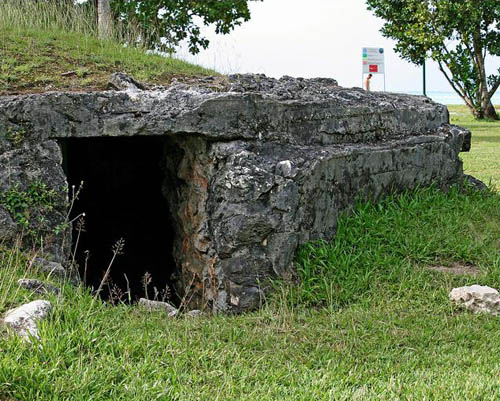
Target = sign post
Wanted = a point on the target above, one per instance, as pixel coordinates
(424, 78)
(373, 62)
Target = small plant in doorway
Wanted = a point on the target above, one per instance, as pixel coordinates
(163, 295)
(117, 250)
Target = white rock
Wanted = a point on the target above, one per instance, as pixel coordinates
(477, 298)
(23, 320)
(174, 313)
(286, 169)
(194, 313)
(157, 305)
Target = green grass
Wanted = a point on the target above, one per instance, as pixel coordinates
(483, 161)
(393, 241)
(36, 49)
(368, 322)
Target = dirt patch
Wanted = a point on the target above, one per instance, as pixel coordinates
(457, 268)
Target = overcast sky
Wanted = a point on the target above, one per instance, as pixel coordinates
(313, 38)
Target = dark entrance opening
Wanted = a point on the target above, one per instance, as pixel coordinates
(122, 198)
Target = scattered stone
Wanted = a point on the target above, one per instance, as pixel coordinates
(157, 305)
(477, 184)
(194, 313)
(477, 298)
(8, 227)
(50, 267)
(174, 313)
(121, 81)
(457, 268)
(23, 320)
(37, 286)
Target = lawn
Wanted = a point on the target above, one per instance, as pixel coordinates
(483, 161)
(370, 321)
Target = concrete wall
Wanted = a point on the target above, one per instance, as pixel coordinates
(256, 166)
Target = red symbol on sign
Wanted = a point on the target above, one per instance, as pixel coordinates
(373, 68)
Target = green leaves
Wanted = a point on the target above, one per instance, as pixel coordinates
(26, 205)
(456, 34)
(163, 24)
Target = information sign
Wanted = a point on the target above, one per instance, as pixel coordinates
(373, 60)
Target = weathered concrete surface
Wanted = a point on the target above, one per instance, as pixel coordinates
(261, 214)
(319, 114)
(259, 165)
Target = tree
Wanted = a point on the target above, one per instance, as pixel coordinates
(163, 24)
(104, 19)
(457, 34)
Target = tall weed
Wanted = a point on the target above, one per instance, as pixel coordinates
(48, 15)
(60, 16)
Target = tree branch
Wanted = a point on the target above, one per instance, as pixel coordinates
(465, 91)
(472, 57)
(494, 88)
(456, 87)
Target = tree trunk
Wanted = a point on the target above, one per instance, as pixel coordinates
(490, 112)
(104, 20)
(483, 111)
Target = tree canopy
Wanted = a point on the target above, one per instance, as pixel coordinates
(459, 35)
(163, 24)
